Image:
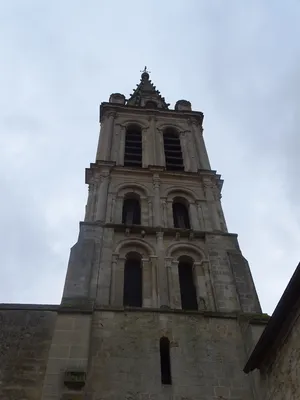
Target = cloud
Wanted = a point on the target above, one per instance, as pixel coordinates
(237, 62)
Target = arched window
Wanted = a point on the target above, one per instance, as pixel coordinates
(133, 147)
(132, 294)
(180, 215)
(165, 364)
(131, 214)
(187, 286)
(173, 154)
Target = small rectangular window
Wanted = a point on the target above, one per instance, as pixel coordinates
(165, 363)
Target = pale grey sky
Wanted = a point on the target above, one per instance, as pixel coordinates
(237, 61)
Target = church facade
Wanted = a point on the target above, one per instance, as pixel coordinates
(158, 302)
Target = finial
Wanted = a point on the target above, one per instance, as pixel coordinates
(145, 70)
(145, 74)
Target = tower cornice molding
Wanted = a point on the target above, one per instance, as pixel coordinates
(106, 107)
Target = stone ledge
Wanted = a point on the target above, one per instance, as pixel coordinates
(30, 307)
(252, 318)
(151, 230)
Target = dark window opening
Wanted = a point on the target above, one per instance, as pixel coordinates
(133, 147)
(132, 295)
(131, 214)
(165, 364)
(173, 154)
(151, 104)
(187, 286)
(180, 216)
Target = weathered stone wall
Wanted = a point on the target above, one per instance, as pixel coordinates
(25, 338)
(280, 379)
(207, 357)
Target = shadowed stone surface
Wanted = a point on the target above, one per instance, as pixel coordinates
(25, 338)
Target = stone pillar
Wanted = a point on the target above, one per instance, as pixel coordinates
(147, 282)
(200, 145)
(170, 219)
(119, 282)
(211, 296)
(118, 210)
(144, 211)
(148, 144)
(157, 210)
(109, 207)
(121, 148)
(200, 215)
(102, 198)
(194, 216)
(162, 273)
(113, 288)
(115, 147)
(154, 281)
(185, 152)
(208, 188)
(151, 141)
(105, 140)
(173, 280)
(199, 279)
(164, 212)
(160, 148)
(89, 210)
(189, 137)
(69, 351)
(150, 213)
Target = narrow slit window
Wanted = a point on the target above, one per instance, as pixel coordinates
(133, 147)
(165, 362)
(173, 153)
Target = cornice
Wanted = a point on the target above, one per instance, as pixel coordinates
(126, 109)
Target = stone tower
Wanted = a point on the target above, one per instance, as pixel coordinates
(159, 302)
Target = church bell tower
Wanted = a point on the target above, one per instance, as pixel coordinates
(158, 302)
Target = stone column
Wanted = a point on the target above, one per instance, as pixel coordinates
(189, 137)
(164, 212)
(200, 215)
(173, 280)
(211, 296)
(160, 148)
(144, 211)
(115, 147)
(170, 220)
(102, 198)
(105, 140)
(208, 188)
(147, 282)
(89, 210)
(162, 273)
(200, 145)
(154, 281)
(117, 217)
(150, 213)
(121, 148)
(185, 152)
(199, 279)
(119, 282)
(194, 217)
(151, 141)
(113, 282)
(157, 210)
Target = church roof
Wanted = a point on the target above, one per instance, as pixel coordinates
(146, 91)
(279, 324)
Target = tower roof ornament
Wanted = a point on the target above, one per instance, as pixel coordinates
(146, 91)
